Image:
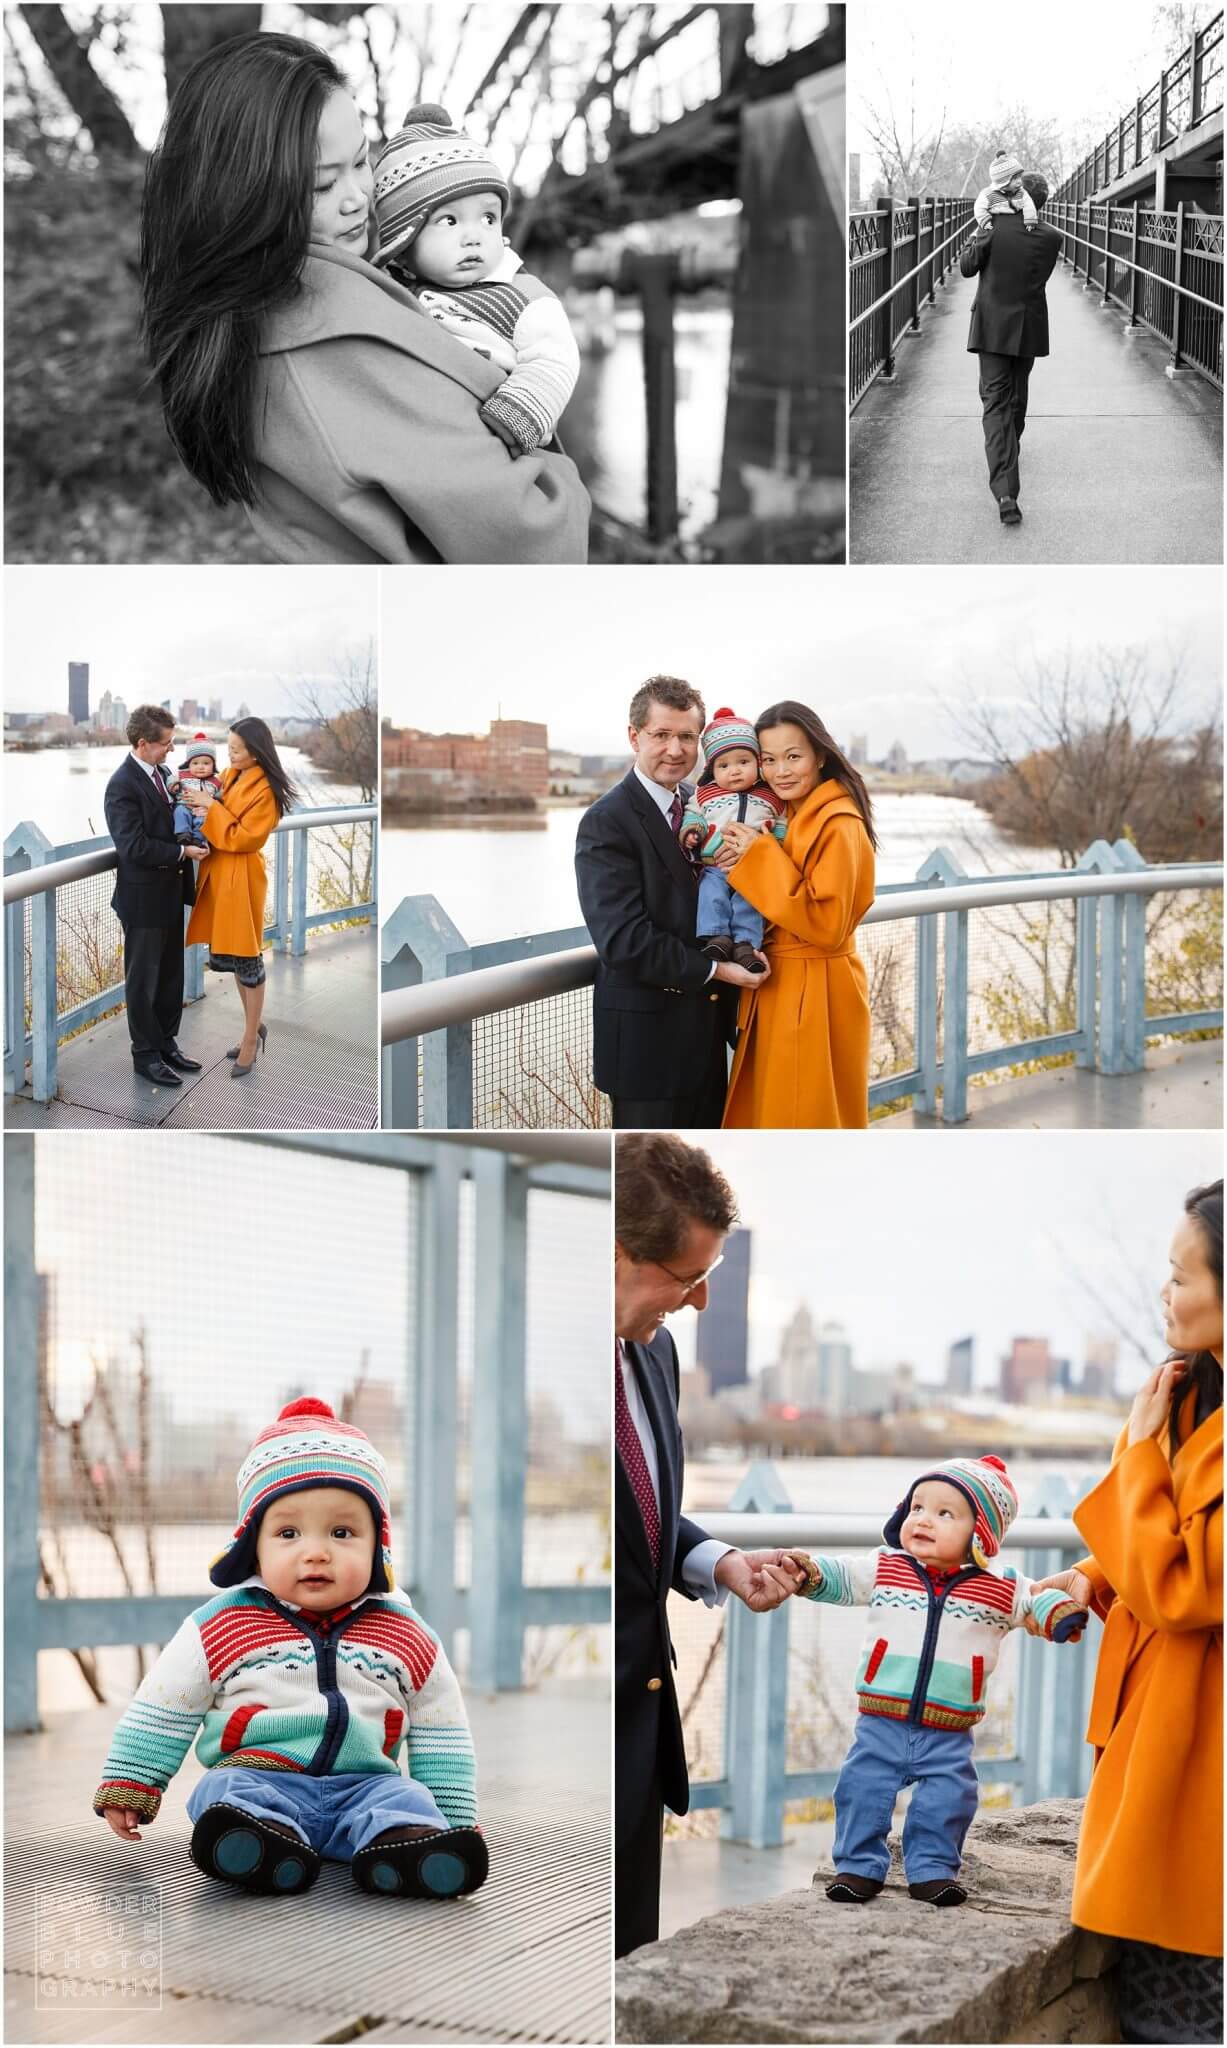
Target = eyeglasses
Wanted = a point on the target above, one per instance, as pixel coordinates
(690, 1286)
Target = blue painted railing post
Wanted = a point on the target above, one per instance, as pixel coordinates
(420, 943)
(26, 847)
(302, 872)
(1102, 859)
(1133, 1028)
(281, 891)
(498, 1428)
(44, 1000)
(941, 867)
(756, 1696)
(430, 1449)
(21, 1434)
(1054, 1679)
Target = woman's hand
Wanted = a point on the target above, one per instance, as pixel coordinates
(738, 837)
(741, 977)
(1153, 1401)
(1074, 1584)
(200, 800)
(122, 1822)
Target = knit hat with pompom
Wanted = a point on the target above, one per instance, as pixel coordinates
(426, 164)
(307, 1447)
(199, 744)
(726, 730)
(987, 1488)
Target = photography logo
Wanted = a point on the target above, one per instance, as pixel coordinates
(99, 1947)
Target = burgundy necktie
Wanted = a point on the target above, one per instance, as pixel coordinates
(675, 813)
(163, 792)
(630, 1450)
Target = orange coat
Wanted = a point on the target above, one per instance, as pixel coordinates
(232, 884)
(802, 1059)
(1150, 1855)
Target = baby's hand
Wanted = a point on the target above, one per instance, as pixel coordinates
(122, 1821)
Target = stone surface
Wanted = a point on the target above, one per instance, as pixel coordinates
(1007, 1966)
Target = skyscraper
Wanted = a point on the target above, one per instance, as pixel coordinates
(78, 692)
(721, 1338)
(960, 1366)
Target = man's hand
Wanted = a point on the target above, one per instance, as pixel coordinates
(196, 852)
(762, 1579)
(741, 977)
(122, 1822)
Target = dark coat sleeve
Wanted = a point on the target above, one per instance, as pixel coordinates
(126, 827)
(974, 257)
(609, 878)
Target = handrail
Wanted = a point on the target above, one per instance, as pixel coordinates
(1126, 262)
(1208, 37)
(57, 874)
(771, 1531)
(908, 275)
(458, 999)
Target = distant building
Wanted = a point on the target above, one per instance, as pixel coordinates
(961, 1366)
(190, 712)
(512, 759)
(1098, 1381)
(78, 692)
(792, 1382)
(723, 1328)
(215, 711)
(119, 714)
(1028, 1371)
(244, 711)
(896, 760)
(858, 749)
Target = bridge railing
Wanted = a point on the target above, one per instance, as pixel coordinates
(766, 1657)
(1163, 270)
(1184, 94)
(64, 945)
(967, 976)
(897, 257)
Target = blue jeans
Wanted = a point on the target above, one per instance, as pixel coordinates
(885, 1756)
(186, 820)
(723, 913)
(336, 1816)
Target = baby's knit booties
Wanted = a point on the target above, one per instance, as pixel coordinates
(258, 1855)
(442, 1865)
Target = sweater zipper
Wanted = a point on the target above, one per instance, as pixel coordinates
(915, 1712)
(336, 1723)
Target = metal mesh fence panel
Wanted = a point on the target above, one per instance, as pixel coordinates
(88, 943)
(889, 953)
(1184, 952)
(532, 1068)
(340, 868)
(1201, 333)
(1020, 973)
(698, 1634)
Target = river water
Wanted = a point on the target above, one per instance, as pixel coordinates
(61, 789)
(502, 879)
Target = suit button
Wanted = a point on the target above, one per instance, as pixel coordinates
(654, 1684)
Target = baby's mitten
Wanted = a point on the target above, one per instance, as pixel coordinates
(813, 1577)
(1060, 1618)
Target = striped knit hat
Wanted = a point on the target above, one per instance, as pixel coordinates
(201, 744)
(307, 1447)
(423, 166)
(987, 1488)
(727, 730)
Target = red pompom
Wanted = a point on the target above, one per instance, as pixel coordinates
(989, 1459)
(724, 712)
(307, 1406)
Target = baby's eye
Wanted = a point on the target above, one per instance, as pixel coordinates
(289, 1531)
(342, 1529)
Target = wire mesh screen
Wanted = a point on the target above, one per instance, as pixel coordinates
(889, 953)
(532, 1068)
(1020, 974)
(1184, 952)
(340, 866)
(698, 1634)
(88, 942)
(187, 1290)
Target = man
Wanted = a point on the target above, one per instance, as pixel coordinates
(660, 1023)
(672, 1213)
(1009, 329)
(154, 884)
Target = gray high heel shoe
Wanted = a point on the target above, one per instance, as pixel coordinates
(233, 1052)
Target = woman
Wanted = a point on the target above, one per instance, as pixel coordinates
(229, 912)
(802, 1059)
(297, 379)
(1150, 1853)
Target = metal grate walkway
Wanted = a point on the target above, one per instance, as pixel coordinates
(528, 1958)
(319, 1072)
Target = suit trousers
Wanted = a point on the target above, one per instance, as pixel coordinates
(153, 986)
(637, 1874)
(1003, 397)
(701, 1111)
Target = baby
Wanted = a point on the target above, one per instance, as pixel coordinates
(1004, 193)
(733, 793)
(199, 771)
(310, 1676)
(937, 1619)
(440, 205)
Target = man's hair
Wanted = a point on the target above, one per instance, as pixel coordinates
(667, 690)
(148, 722)
(661, 1186)
(1032, 182)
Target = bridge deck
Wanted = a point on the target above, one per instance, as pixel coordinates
(319, 1071)
(527, 1958)
(1120, 463)
(1181, 1089)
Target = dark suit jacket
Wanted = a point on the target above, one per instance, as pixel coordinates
(1010, 314)
(153, 885)
(656, 1022)
(647, 1723)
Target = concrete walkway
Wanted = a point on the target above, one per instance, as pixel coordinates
(527, 1958)
(1181, 1089)
(1120, 463)
(317, 1073)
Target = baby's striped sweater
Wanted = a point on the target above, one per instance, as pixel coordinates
(932, 1646)
(275, 1689)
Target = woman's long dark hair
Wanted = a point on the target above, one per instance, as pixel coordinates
(1205, 1374)
(261, 745)
(225, 224)
(836, 765)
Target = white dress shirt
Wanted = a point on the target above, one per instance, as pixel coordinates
(698, 1568)
(663, 799)
(165, 794)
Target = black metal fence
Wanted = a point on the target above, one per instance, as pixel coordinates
(897, 257)
(1185, 93)
(1165, 270)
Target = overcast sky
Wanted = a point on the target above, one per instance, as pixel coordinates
(912, 1242)
(883, 651)
(1080, 65)
(243, 634)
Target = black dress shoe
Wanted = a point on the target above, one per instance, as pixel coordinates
(1010, 514)
(157, 1070)
(173, 1057)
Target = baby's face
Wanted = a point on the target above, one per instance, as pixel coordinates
(201, 766)
(315, 1548)
(461, 242)
(939, 1524)
(736, 768)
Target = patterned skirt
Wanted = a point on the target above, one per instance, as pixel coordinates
(1166, 1995)
(247, 969)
